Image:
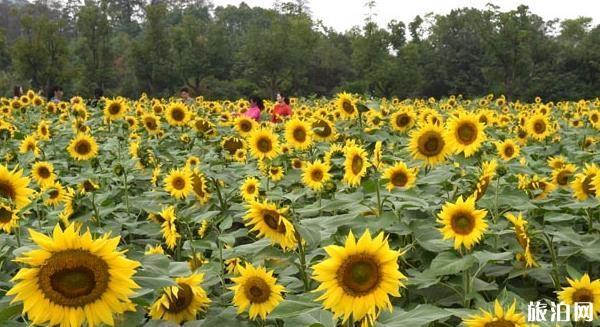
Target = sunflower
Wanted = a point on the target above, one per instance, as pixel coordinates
(378, 155)
(316, 174)
(562, 176)
(488, 172)
(269, 221)
(203, 228)
(231, 144)
(263, 143)
(179, 183)
(463, 222)
(244, 125)
(8, 217)
(199, 186)
(298, 134)
(151, 123)
(177, 114)
(29, 144)
(519, 226)
(557, 162)
(240, 155)
(582, 185)
(465, 134)
(582, 290)
(500, 317)
(83, 147)
(429, 144)
(168, 226)
(359, 277)
(403, 120)
(539, 126)
(43, 130)
(400, 176)
(114, 109)
(43, 173)
(346, 105)
(75, 276)
(181, 302)
(192, 161)
(507, 149)
(14, 187)
(256, 290)
(233, 266)
(323, 129)
(250, 189)
(132, 122)
(594, 118)
(355, 165)
(275, 173)
(56, 193)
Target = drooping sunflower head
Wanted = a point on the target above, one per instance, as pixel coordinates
(583, 186)
(520, 228)
(178, 114)
(323, 129)
(500, 317)
(181, 302)
(562, 176)
(199, 186)
(428, 143)
(231, 144)
(355, 164)
(298, 134)
(400, 176)
(582, 290)
(43, 173)
(462, 222)
(83, 147)
(263, 143)
(465, 134)
(346, 105)
(256, 289)
(316, 174)
(179, 183)
(250, 189)
(364, 271)
(85, 279)
(8, 217)
(14, 187)
(270, 221)
(507, 149)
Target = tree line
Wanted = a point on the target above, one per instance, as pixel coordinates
(159, 46)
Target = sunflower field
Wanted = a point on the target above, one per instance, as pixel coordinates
(352, 212)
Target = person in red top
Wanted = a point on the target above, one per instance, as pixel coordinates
(281, 109)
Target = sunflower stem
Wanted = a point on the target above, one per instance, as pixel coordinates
(96, 212)
(379, 205)
(18, 234)
(554, 274)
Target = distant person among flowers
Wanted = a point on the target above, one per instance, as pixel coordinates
(57, 94)
(184, 94)
(256, 106)
(282, 108)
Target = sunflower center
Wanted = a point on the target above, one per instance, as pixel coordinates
(431, 144)
(522, 134)
(348, 107)
(402, 120)
(539, 127)
(463, 223)
(357, 164)
(316, 175)
(5, 215)
(74, 278)
(322, 128)
(177, 114)
(250, 189)
(264, 145)
(583, 295)
(182, 301)
(43, 172)
(271, 218)
(509, 151)
(30, 146)
(399, 179)
(245, 126)
(467, 133)
(83, 147)
(563, 177)
(44, 130)
(114, 109)
(257, 290)
(359, 274)
(299, 134)
(594, 118)
(7, 190)
(500, 323)
(587, 185)
(54, 194)
(178, 183)
(150, 124)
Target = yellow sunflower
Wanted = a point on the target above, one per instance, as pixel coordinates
(263, 143)
(256, 289)
(488, 172)
(507, 149)
(83, 147)
(14, 187)
(43, 173)
(520, 228)
(465, 134)
(8, 217)
(557, 162)
(346, 105)
(244, 125)
(582, 290)
(269, 221)
(177, 114)
(43, 130)
(462, 222)
(76, 276)
(250, 189)
(358, 278)
(275, 173)
(401, 176)
(56, 193)
(179, 183)
(562, 176)
(539, 126)
(181, 302)
(29, 144)
(298, 134)
(500, 317)
(168, 226)
(323, 129)
(355, 165)
(429, 144)
(582, 185)
(403, 120)
(199, 186)
(151, 122)
(115, 109)
(316, 174)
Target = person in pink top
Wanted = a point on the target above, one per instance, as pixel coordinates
(256, 106)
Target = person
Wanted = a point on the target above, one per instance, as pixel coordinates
(256, 106)
(97, 99)
(184, 94)
(17, 91)
(282, 108)
(57, 94)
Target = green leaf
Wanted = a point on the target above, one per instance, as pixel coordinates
(153, 282)
(419, 316)
(294, 306)
(448, 263)
(10, 311)
(483, 257)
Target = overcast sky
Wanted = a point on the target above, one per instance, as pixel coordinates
(343, 14)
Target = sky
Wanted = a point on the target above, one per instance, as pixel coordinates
(344, 14)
